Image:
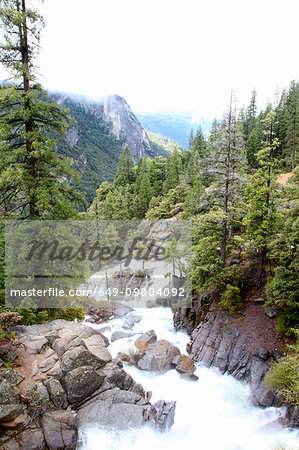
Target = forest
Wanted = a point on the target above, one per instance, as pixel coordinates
(239, 185)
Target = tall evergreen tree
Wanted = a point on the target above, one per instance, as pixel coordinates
(35, 181)
(292, 135)
(125, 172)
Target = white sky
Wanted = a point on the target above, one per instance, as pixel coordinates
(182, 55)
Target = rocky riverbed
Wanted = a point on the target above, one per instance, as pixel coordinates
(123, 383)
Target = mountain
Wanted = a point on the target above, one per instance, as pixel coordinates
(175, 126)
(102, 131)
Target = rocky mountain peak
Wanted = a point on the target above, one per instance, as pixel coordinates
(124, 125)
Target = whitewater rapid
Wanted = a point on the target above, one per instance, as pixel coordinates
(213, 413)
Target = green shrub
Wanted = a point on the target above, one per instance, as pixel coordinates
(283, 377)
(231, 299)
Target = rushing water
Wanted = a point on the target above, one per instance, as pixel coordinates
(212, 413)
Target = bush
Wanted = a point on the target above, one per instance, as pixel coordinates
(7, 321)
(231, 299)
(283, 377)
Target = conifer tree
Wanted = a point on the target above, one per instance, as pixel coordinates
(125, 172)
(35, 181)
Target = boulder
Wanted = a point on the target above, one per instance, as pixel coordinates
(259, 301)
(48, 363)
(30, 439)
(11, 412)
(36, 344)
(145, 340)
(57, 394)
(184, 364)
(158, 357)
(96, 340)
(37, 395)
(294, 417)
(60, 430)
(11, 376)
(271, 314)
(117, 377)
(121, 335)
(115, 408)
(80, 383)
(9, 395)
(189, 376)
(80, 356)
(66, 343)
(164, 415)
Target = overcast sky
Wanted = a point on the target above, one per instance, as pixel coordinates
(162, 55)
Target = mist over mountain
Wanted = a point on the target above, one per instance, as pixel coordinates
(175, 126)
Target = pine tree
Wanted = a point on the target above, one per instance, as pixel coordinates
(261, 219)
(251, 113)
(191, 139)
(292, 135)
(35, 181)
(125, 172)
(173, 171)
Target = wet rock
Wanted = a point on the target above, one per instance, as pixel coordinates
(115, 408)
(145, 340)
(259, 301)
(81, 382)
(117, 377)
(132, 320)
(60, 430)
(184, 364)
(164, 415)
(189, 376)
(80, 356)
(57, 394)
(103, 330)
(158, 357)
(294, 417)
(121, 311)
(121, 335)
(11, 376)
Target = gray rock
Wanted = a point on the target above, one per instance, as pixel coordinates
(10, 412)
(66, 343)
(271, 314)
(30, 439)
(115, 408)
(48, 363)
(37, 394)
(97, 340)
(60, 430)
(57, 394)
(80, 356)
(263, 353)
(259, 301)
(11, 376)
(131, 320)
(8, 353)
(294, 417)
(117, 377)
(80, 383)
(145, 340)
(263, 396)
(235, 261)
(121, 335)
(9, 395)
(158, 357)
(36, 344)
(122, 311)
(164, 416)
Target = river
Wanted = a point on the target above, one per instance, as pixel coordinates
(213, 413)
